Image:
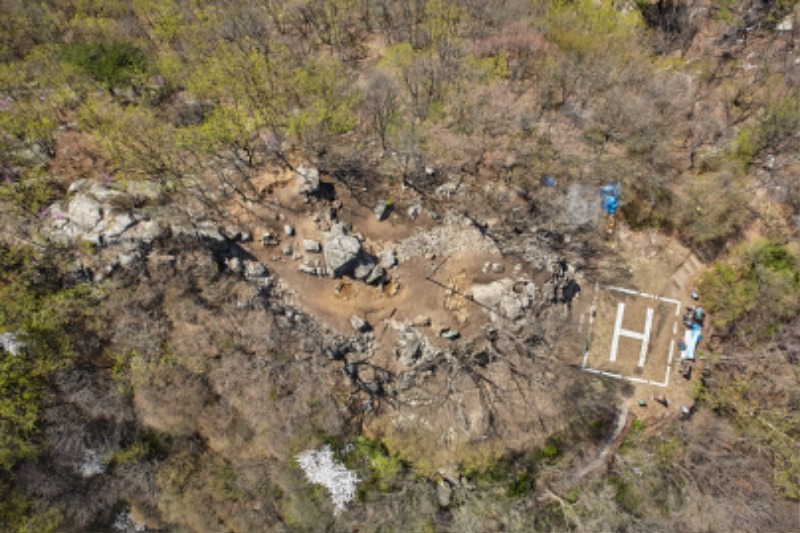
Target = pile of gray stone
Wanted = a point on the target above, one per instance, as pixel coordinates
(345, 255)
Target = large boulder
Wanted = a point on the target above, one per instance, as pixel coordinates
(491, 294)
(145, 232)
(500, 298)
(409, 346)
(307, 180)
(341, 251)
(84, 212)
(388, 258)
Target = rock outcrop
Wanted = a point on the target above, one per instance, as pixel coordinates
(341, 251)
(307, 180)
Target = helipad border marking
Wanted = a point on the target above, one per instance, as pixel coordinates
(644, 294)
(618, 329)
(591, 322)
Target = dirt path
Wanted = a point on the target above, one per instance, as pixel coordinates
(600, 461)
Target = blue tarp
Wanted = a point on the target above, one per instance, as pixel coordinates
(610, 194)
(693, 337)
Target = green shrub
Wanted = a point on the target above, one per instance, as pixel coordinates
(50, 320)
(626, 496)
(649, 209)
(589, 28)
(754, 291)
(776, 131)
(386, 468)
(552, 449)
(131, 455)
(19, 515)
(112, 64)
(746, 146)
(634, 436)
(713, 209)
(524, 482)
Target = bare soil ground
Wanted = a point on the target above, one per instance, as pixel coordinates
(430, 285)
(426, 284)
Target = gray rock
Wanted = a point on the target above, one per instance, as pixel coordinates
(787, 24)
(530, 291)
(359, 324)
(114, 227)
(269, 239)
(341, 251)
(92, 237)
(524, 300)
(312, 246)
(59, 217)
(382, 210)
(409, 347)
(288, 230)
(307, 269)
(376, 275)
(209, 232)
(448, 189)
(128, 260)
(443, 494)
(76, 185)
(450, 334)
(307, 180)
(254, 270)
(288, 250)
(511, 306)
(388, 258)
(363, 270)
(414, 211)
(490, 294)
(232, 233)
(234, 264)
(105, 194)
(146, 232)
(84, 212)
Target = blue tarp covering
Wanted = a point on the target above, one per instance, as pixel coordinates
(610, 194)
(693, 337)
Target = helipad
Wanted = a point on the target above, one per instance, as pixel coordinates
(631, 335)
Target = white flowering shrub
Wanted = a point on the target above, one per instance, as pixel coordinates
(92, 464)
(321, 468)
(123, 523)
(10, 343)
